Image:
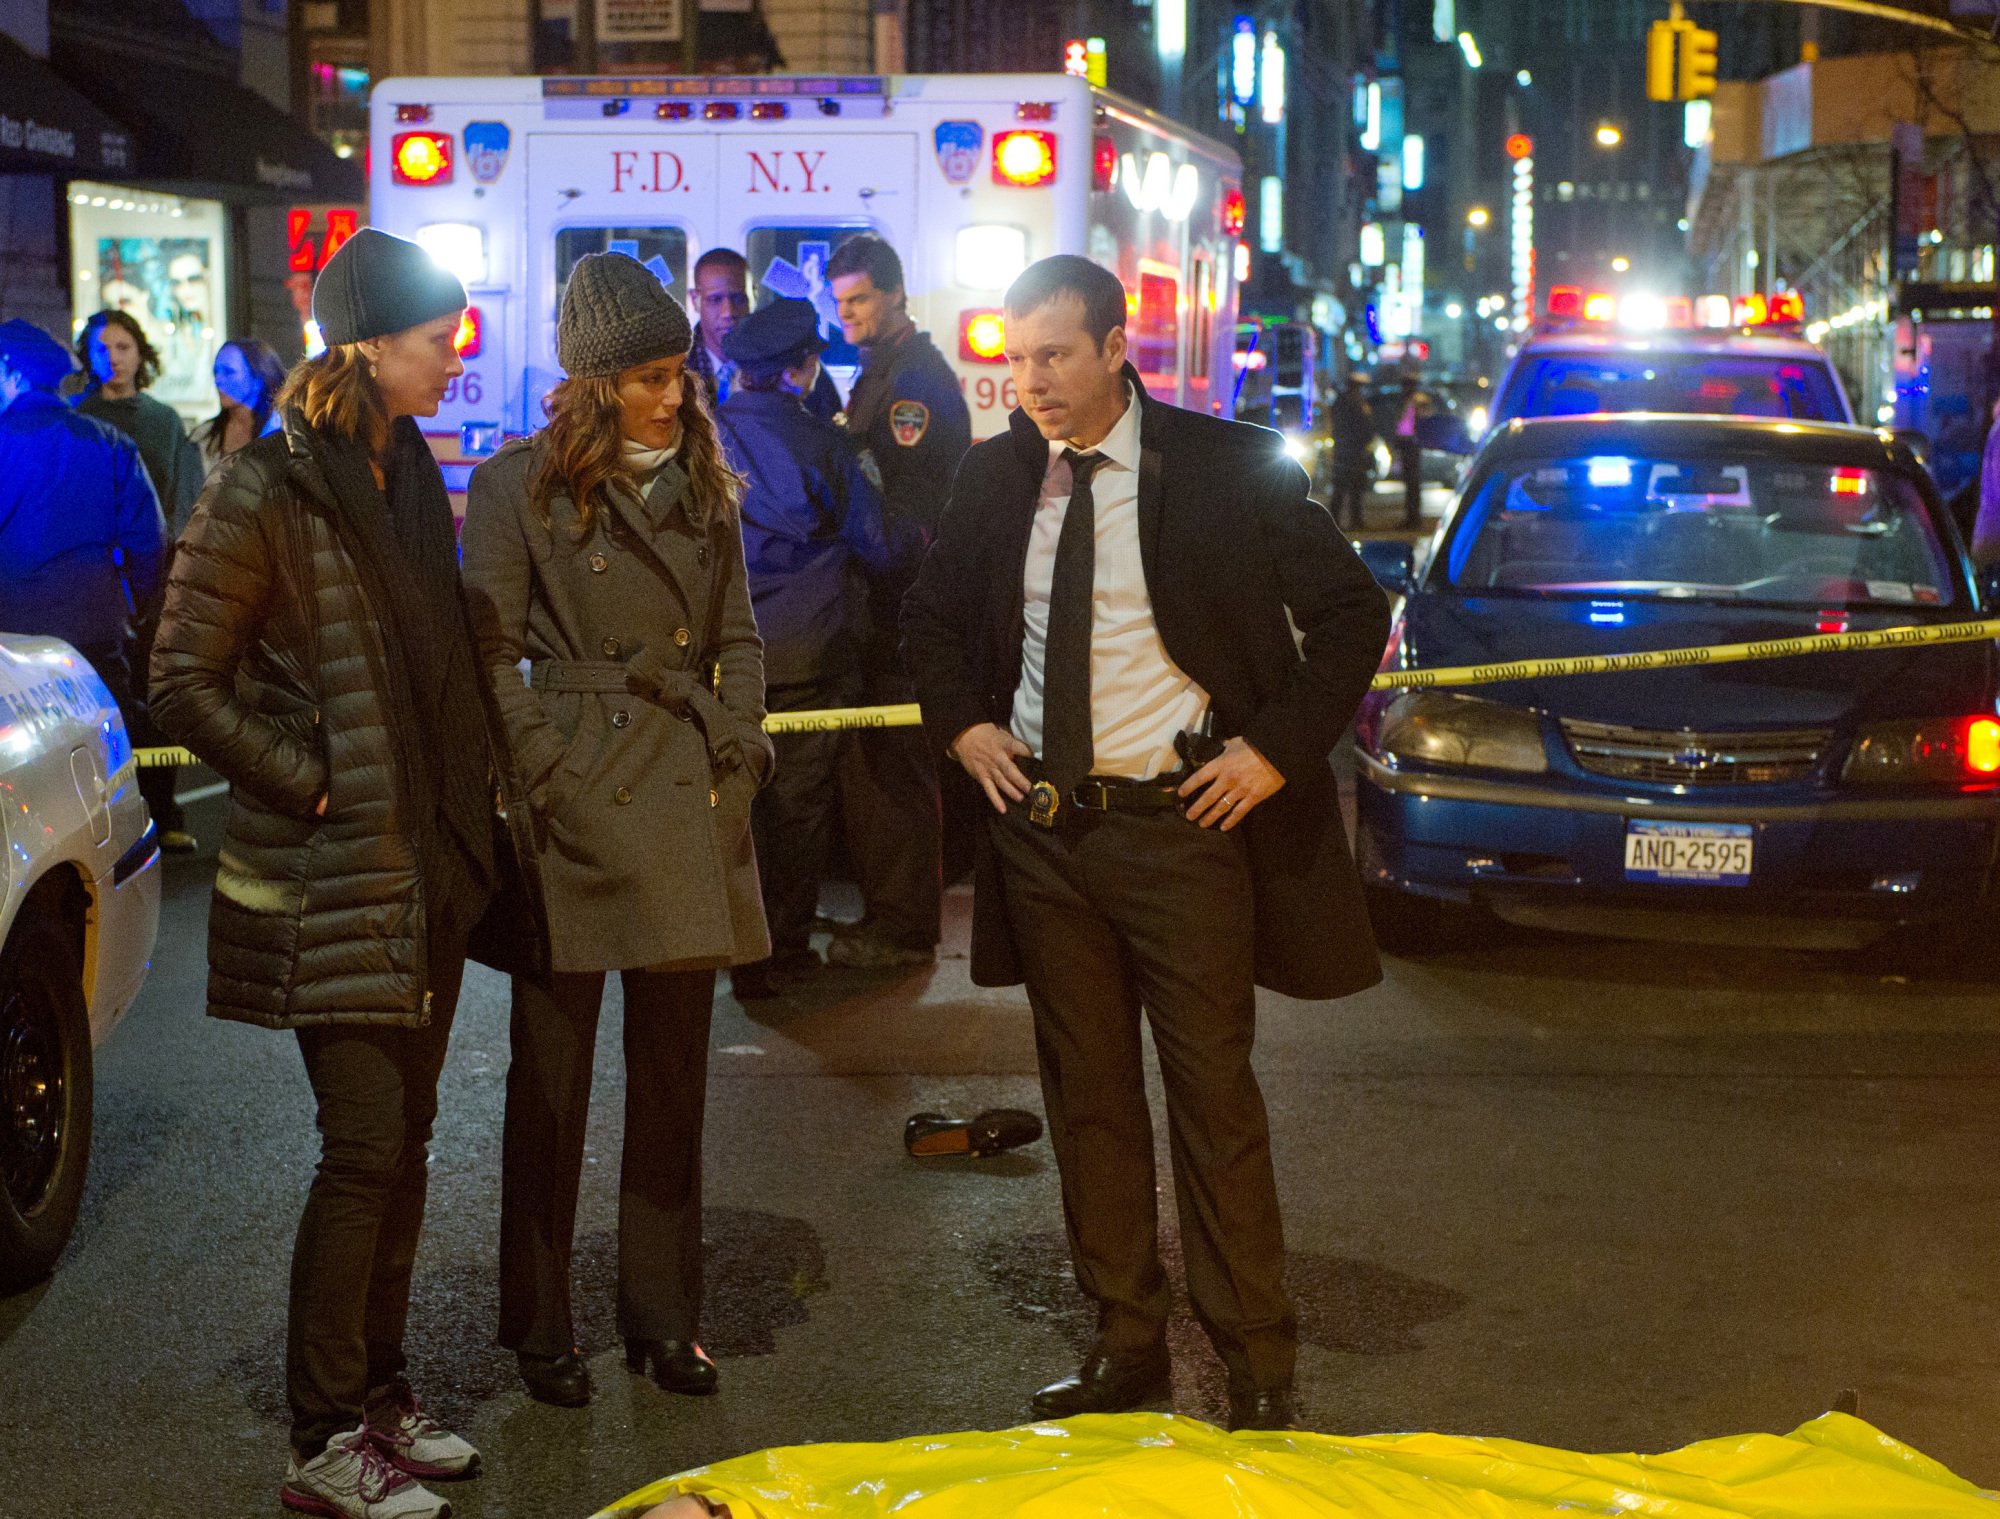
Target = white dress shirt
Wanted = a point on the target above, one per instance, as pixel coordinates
(1139, 698)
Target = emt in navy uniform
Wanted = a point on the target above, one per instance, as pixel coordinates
(813, 529)
(605, 550)
(907, 413)
(1100, 638)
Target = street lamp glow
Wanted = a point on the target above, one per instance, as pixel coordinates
(1621, 264)
(1170, 28)
(1524, 79)
(1608, 136)
(1478, 216)
(1470, 48)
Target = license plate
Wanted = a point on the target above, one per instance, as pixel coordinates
(1710, 854)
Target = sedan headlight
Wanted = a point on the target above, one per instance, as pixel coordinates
(1946, 750)
(1440, 728)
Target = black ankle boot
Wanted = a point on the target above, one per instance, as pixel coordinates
(559, 1379)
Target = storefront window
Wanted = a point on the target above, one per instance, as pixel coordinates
(160, 258)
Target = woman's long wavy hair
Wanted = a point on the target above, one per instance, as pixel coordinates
(338, 397)
(585, 442)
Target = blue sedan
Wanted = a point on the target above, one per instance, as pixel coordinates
(1845, 792)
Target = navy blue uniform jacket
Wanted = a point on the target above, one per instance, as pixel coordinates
(74, 501)
(1231, 544)
(812, 526)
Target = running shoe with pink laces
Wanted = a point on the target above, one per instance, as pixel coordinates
(414, 1442)
(352, 1479)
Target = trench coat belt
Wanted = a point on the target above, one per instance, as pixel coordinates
(680, 691)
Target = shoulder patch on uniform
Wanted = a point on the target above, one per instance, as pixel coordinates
(909, 420)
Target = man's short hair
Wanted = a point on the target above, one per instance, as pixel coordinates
(1052, 278)
(721, 258)
(865, 253)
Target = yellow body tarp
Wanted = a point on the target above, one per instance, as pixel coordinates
(1156, 1466)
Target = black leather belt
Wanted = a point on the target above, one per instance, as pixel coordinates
(1100, 793)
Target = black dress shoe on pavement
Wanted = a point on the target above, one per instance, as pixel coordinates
(1262, 1410)
(559, 1379)
(996, 1129)
(1107, 1386)
(677, 1365)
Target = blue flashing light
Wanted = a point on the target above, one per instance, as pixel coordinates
(1608, 613)
(1609, 474)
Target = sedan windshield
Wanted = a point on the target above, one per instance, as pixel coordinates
(1729, 528)
(1737, 385)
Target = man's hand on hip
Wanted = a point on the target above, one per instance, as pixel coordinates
(1236, 780)
(988, 753)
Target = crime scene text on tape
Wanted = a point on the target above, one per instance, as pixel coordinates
(909, 715)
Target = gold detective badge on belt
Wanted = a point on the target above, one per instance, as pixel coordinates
(1044, 802)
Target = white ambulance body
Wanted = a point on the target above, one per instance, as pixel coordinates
(971, 177)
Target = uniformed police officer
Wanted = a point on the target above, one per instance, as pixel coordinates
(813, 528)
(909, 416)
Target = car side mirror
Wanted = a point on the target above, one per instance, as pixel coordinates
(1444, 433)
(1389, 560)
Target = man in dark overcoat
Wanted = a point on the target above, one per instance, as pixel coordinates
(1102, 636)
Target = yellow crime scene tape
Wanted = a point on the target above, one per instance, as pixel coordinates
(909, 715)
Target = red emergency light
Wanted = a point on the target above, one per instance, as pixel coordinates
(413, 115)
(1786, 306)
(421, 158)
(1024, 158)
(1565, 301)
(1103, 163)
(1982, 746)
(1235, 213)
(1680, 312)
(1600, 306)
(982, 336)
(673, 110)
(1751, 311)
(467, 339)
(721, 110)
(1849, 482)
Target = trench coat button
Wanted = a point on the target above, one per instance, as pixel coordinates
(620, 718)
(681, 637)
(599, 564)
(611, 648)
(622, 796)
(701, 556)
(714, 797)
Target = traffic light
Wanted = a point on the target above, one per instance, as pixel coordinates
(1660, 38)
(1697, 72)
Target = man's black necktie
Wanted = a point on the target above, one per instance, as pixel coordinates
(1068, 743)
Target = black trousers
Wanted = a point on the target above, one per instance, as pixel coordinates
(659, 1179)
(1412, 464)
(894, 822)
(1350, 498)
(376, 1088)
(1114, 914)
(792, 818)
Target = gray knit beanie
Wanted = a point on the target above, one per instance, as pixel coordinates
(376, 284)
(615, 314)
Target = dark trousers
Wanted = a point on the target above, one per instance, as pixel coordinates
(792, 818)
(1113, 914)
(1350, 499)
(1412, 457)
(894, 822)
(659, 1179)
(376, 1087)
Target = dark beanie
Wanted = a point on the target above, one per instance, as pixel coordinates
(615, 314)
(38, 358)
(376, 284)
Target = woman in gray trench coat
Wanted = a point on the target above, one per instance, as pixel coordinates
(605, 550)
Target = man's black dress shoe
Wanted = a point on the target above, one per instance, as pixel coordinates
(1107, 1386)
(677, 1365)
(996, 1129)
(1271, 1409)
(559, 1379)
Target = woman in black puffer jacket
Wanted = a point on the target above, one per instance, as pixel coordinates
(315, 650)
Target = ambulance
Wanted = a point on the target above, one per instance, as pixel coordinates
(509, 181)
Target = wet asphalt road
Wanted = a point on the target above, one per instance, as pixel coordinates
(1602, 1195)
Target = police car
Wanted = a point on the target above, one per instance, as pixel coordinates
(1598, 353)
(78, 920)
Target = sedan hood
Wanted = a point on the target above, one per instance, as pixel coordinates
(1813, 690)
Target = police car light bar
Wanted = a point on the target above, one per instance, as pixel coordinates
(1650, 313)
